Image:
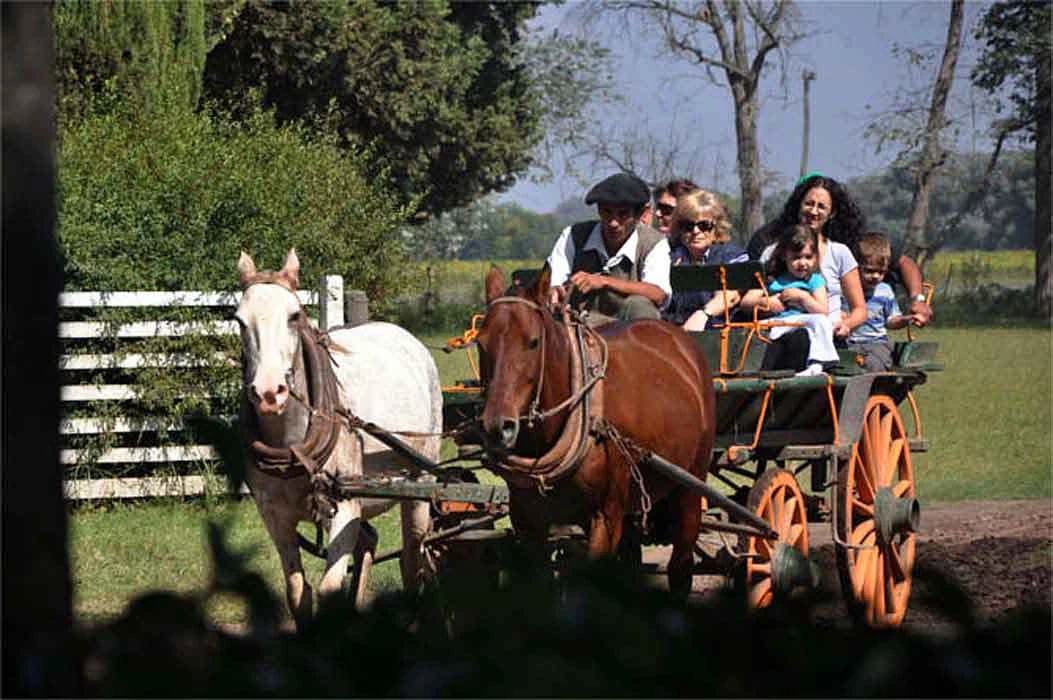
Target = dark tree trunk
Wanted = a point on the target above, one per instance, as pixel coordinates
(1043, 215)
(38, 618)
(748, 164)
(933, 155)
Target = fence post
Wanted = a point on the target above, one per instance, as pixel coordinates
(331, 302)
(357, 307)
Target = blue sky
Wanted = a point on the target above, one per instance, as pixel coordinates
(851, 50)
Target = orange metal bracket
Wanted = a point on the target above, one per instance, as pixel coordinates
(465, 340)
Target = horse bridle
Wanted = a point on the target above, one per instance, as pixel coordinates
(585, 402)
(323, 426)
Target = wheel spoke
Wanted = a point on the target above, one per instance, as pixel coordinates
(787, 516)
(895, 566)
(864, 482)
(796, 532)
(892, 589)
(778, 509)
(902, 487)
(877, 599)
(869, 577)
(763, 549)
(871, 433)
(763, 568)
(862, 508)
(859, 573)
(895, 451)
(886, 434)
(862, 532)
(760, 594)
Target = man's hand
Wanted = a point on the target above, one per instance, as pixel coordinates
(586, 282)
(841, 329)
(558, 295)
(921, 312)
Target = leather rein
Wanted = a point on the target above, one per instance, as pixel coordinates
(588, 367)
(323, 427)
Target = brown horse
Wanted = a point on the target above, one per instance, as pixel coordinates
(655, 393)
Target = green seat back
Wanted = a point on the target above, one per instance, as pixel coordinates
(740, 276)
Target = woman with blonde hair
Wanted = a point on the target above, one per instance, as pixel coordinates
(702, 231)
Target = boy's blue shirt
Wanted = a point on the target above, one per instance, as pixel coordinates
(881, 306)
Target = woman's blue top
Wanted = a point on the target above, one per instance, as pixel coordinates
(683, 304)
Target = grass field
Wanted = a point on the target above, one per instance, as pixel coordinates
(987, 416)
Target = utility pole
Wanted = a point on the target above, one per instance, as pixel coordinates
(807, 76)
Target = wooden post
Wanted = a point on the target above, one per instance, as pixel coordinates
(331, 302)
(357, 307)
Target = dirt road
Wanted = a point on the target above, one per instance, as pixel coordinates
(999, 552)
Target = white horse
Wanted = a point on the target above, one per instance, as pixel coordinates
(379, 373)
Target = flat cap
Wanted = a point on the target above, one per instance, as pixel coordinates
(621, 188)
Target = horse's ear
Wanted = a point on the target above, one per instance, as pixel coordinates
(539, 290)
(246, 269)
(495, 283)
(291, 269)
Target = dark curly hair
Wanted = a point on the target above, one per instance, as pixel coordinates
(846, 220)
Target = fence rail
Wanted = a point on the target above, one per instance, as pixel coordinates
(84, 391)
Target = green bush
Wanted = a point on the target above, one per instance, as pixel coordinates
(167, 201)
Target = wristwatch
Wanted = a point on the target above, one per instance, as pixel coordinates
(918, 297)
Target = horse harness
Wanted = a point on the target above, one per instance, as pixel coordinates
(585, 424)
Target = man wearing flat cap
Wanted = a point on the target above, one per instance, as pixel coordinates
(616, 268)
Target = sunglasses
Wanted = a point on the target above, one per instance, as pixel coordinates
(666, 209)
(703, 225)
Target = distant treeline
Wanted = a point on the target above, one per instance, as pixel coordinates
(487, 230)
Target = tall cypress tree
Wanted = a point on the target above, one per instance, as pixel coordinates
(128, 51)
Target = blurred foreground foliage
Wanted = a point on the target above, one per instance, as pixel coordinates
(601, 631)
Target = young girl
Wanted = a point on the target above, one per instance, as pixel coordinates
(801, 297)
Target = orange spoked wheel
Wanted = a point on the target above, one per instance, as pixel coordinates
(877, 518)
(775, 568)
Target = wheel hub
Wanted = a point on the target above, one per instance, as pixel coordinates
(791, 570)
(895, 516)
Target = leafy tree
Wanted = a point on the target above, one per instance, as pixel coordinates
(1000, 218)
(932, 155)
(436, 89)
(730, 43)
(127, 49)
(1016, 63)
(166, 201)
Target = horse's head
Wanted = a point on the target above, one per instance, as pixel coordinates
(270, 316)
(511, 350)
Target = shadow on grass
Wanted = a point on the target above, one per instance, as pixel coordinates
(599, 630)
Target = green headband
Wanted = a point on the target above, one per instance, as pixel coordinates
(808, 176)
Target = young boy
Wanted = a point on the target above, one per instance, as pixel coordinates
(873, 252)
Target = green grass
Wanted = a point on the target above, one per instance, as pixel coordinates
(123, 550)
(987, 417)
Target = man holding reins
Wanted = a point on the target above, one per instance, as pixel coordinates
(616, 268)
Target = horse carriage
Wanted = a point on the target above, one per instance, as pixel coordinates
(610, 440)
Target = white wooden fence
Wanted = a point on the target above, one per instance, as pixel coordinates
(329, 300)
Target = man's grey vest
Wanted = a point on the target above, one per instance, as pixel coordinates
(607, 302)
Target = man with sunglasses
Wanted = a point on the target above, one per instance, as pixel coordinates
(615, 268)
(665, 196)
